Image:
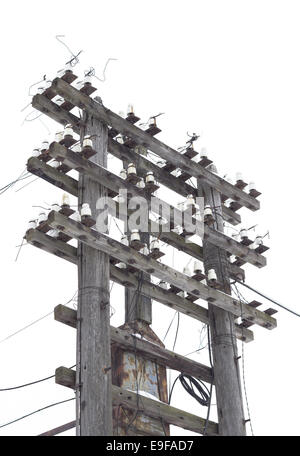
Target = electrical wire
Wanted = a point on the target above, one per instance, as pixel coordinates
(36, 411)
(211, 385)
(35, 321)
(266, 297)
(243, 360)
(31, 383)
(27, 326)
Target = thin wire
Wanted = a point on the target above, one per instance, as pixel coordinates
(74, 60)
(211, 385)
(36, 321)
(31, 182)
(175, 313)
(266, 297)
(243, 362)
(36, 411)
(92, 71)
(22, 243)
(31, 383)
(27, 326)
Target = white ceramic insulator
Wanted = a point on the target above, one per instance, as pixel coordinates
(149, 178)
(135, 235)
(68, 131)
(203, 153)
(131, 169)
(197, 266)
(121, 265)
(251, 186)
(86, 210)
(87, 142)
(211, 275)
(207, 211)
(239, 177)
(232, 258)
(65, 200)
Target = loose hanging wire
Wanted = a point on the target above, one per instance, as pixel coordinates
(92, 71)
(74, 59)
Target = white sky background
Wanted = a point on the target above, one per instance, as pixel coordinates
(228, 70)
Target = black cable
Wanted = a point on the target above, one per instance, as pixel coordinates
(266, 297)
(31, 383)
(37, 411)
(202, 393)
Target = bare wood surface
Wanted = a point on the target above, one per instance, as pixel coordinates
(224, 348)
(127, 279)
(94, 411)
(142, 138)
(63, 117)
(150, 407)
(128, 255)
(115, 183)
(124, 339)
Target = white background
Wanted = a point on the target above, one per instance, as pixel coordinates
(228, 70)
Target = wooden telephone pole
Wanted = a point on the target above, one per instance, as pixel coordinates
(94, 412)
(120, 377)
(221, 324)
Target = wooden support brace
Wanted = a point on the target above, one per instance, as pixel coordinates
(115, 183)
(150, 407)
(124, 339)
(123, 153)
(140, 137)
(128, 255)
(125, 278)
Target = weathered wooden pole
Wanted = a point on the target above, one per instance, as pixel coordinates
(94, 401)
(221, 323)
(138, 307)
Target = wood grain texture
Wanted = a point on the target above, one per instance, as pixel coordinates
(127, 279)
(142, 138)
(224, 348)
(55, 112)
(163, 272)
(94, 411)
(153, 408)
(115, 183)
(125, 340)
